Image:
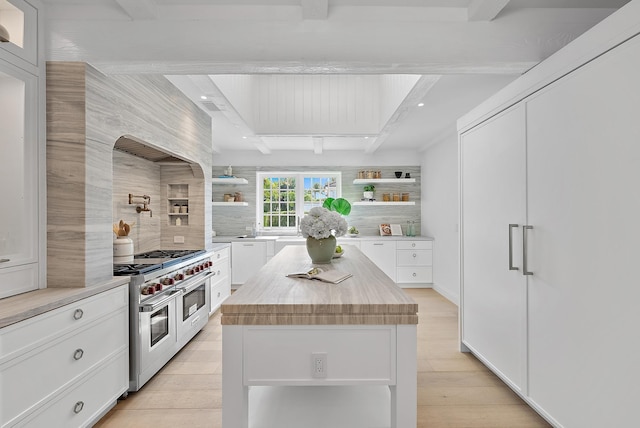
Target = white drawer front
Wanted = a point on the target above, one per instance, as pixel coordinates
(219, 292)
(36, 331)
(414, 258)
(220, 255)
(53, 366)
(415, 274)
(220, 270)
(89, 399)
(415, 245)
(283, 354)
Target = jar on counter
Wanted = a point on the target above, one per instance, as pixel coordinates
(405, 197)
(396, 197)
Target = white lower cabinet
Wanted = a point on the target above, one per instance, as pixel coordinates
(221, 279)
(68, 366)
(414, 261)
(383, 254)
(247, 258)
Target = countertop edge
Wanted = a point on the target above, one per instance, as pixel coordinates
(228, 239)
(23, 306)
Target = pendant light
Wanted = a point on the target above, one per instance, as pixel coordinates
(4, 34)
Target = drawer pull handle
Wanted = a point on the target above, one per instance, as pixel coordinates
(195, 320)
(214, 273)
(218, 294)
(218, 255)
(414, 255)
(78, 354)
(78, 407)
(4, 260)
(78, 314)
(378, 243)
(413, 244)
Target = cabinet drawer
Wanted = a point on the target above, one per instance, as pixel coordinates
(34, 332)
(415, 274)
(220, 270)
(219, 292)
(88, 400)
(415, 245)
(220, 255)
(414, 258)
(279, 354)
(57, 365)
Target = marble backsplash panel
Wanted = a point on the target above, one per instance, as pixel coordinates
(234, 220)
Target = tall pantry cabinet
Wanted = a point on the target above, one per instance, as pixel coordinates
(549, 183)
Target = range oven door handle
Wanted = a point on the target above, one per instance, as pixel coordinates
(195, 282)
(152, 306)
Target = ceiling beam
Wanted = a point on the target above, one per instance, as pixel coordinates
(315, 9)
(139, 10)
(317, 145)
(262, 147)
(417, 93)
(485, 10)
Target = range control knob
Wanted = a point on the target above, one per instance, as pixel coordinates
(179, 277)
(158, 287)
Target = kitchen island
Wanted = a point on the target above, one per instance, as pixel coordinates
(280, 331)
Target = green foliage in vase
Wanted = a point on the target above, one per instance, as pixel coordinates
(340, 205)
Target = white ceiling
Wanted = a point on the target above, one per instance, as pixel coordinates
(290, 51)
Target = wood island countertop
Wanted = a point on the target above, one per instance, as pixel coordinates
(369, 297)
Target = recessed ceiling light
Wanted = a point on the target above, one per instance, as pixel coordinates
(244, 137)
(203, 97)
(420, 104)
(366, 138)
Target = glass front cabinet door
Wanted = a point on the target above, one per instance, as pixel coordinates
(18, 181)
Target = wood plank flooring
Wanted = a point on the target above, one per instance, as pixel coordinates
(454, 389)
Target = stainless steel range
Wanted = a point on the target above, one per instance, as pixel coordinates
(168, 304)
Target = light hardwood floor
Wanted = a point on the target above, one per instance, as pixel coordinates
(454, 389)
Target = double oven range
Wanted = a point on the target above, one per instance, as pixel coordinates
(168, 304)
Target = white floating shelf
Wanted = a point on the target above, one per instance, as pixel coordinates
(178, 213)
(230, 204)
(384, 180)
(175, 198)
(232, 180)
(362, 203)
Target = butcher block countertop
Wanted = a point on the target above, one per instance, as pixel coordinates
(271, 298)
(26, 305)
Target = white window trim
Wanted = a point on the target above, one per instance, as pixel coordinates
(299, 176)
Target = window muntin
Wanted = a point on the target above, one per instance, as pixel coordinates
(287, 197)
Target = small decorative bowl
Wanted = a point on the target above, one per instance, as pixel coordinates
(336, 255)
(398, 174)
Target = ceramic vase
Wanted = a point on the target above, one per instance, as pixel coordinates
(321, 250)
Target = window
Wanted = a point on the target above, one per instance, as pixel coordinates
(288, 196)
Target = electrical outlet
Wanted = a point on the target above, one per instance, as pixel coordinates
(178, 239)
(319, 364)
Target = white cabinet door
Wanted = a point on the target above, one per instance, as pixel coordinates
(246, 260)
(19, 239)
(584, 205)
(383, 254)
(493, 197)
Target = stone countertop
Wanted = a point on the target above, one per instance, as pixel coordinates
(369, 297)
(26, 305)
(287, 238)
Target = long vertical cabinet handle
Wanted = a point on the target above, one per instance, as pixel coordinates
(511, 266)
(524, 250)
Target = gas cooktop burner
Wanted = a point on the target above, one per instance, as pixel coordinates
(171, 254)
(153, 260)
(134, 269)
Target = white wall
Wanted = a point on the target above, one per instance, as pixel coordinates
(440, 213)
(308, 158)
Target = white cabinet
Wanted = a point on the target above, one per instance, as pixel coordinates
(77, 355)
(565, 162)
(221, 279)
(22, 212)
(583, 172)
(383, 254)
(247, 258)
(20, 19)
(414, 261)
(494, 196)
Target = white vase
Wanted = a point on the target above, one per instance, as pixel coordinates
(123, 250)
(368, 195)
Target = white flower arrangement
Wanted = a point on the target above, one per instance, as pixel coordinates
(320, 223)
